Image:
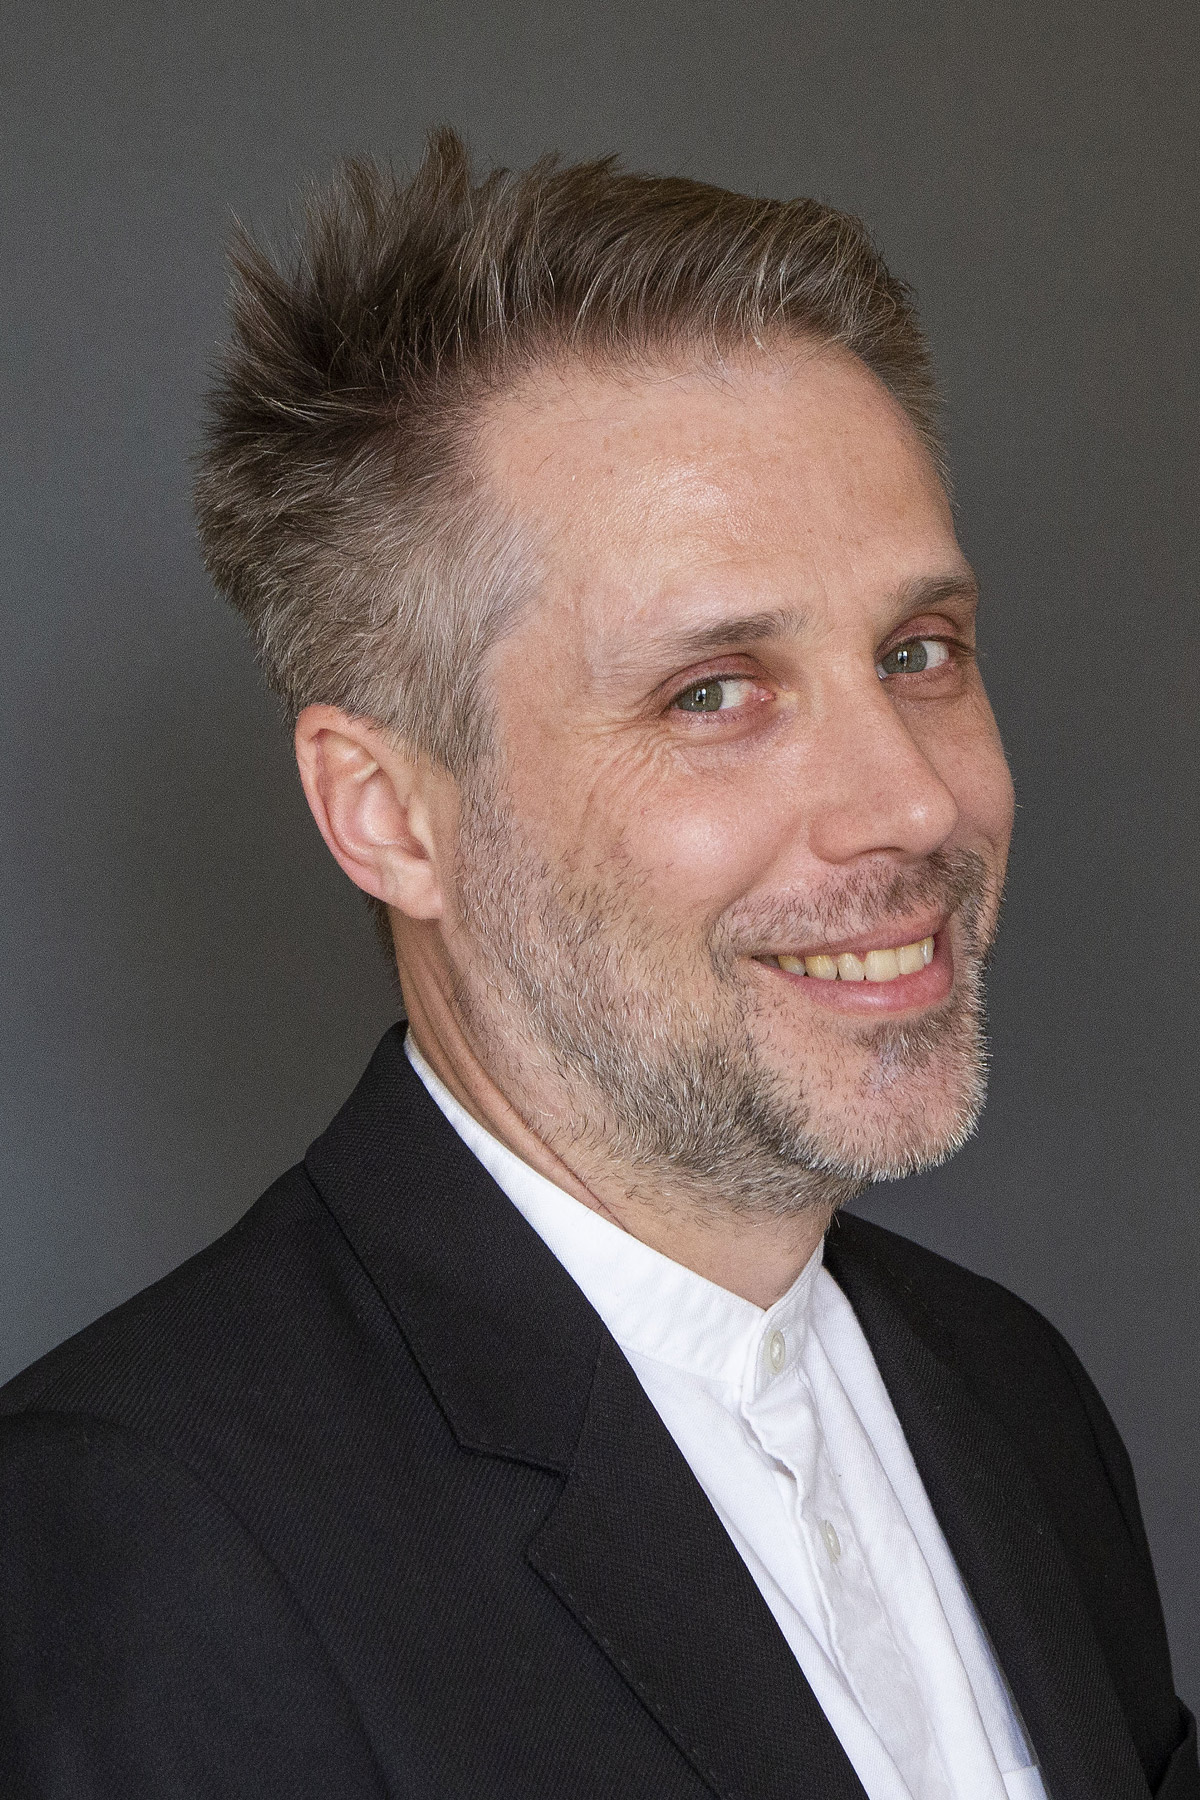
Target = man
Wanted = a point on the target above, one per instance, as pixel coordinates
(546, 1433)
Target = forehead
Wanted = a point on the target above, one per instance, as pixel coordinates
(675, 494)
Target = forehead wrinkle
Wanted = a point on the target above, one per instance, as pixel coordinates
(682, 644)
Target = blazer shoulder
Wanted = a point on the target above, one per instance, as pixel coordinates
(945, 1295)
(200, 1333)
(988, 1333)
(1012, 1357)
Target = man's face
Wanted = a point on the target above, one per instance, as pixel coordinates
(741, 742)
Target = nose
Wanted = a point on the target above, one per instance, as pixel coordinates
(873, 789)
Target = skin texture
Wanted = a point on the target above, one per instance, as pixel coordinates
(776, 526)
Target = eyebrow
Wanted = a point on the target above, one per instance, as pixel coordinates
(662, 651)
(928, 591)
(773, 623)
(750, 628)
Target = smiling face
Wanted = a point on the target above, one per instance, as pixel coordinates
(725, 886)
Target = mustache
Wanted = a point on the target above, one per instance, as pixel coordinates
(950, 881)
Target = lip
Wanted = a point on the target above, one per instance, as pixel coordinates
(929, 987)
(887, 936)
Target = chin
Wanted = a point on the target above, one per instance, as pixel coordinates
(878, 1151)
(902, 1098)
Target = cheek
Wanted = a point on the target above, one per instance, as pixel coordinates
(702, 849)
(973, 766)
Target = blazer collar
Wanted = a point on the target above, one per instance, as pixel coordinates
(499, 1329)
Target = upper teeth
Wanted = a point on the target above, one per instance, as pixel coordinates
(876, 965)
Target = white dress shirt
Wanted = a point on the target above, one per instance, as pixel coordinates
(783, 1418)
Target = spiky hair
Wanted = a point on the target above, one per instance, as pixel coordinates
(335, 498)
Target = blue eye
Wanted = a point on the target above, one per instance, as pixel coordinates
(716, 694)
(913, 658)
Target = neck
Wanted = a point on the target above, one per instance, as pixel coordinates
(756, 1257)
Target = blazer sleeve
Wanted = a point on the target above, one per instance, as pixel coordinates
(147, 1646)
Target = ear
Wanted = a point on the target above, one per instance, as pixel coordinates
(375, 807)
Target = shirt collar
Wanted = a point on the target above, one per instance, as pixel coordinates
(653, 1307)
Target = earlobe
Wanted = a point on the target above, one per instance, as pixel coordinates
(370, 803)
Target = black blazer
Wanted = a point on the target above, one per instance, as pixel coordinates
(365, 1501)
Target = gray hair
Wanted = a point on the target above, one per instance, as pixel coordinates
(338, 504)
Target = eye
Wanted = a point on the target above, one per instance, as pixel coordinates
(915, 657)
(717, 693)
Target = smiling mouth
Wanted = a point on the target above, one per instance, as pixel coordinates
(874, 965)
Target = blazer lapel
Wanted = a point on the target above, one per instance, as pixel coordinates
(1003, 1540)
(523, 1369)
(637, 1553)
(501, 1333)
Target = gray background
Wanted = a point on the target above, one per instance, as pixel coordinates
(189, 985)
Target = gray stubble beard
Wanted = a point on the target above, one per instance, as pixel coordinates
(674, 1091)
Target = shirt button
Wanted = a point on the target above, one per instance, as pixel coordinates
(776, 1350)
(832, 1541)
